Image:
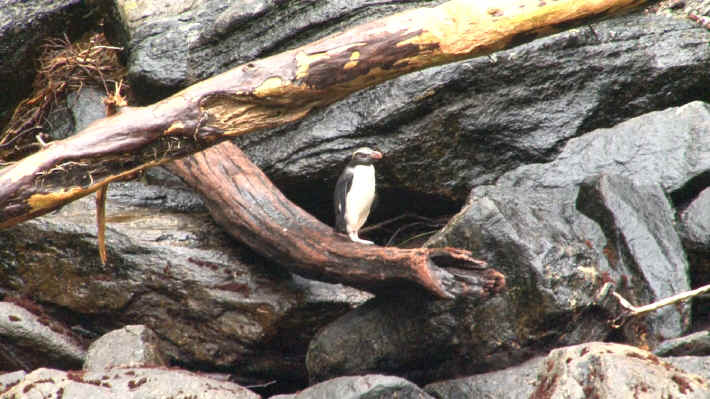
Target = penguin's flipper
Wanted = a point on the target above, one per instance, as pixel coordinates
(345, 181)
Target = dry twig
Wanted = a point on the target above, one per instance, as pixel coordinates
(639, 310)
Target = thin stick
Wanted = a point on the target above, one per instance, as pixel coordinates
(101, 222)
(635, 311)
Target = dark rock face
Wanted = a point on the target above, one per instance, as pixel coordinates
(443, 130)
(600, 370)
(556, 259)
(695, 221)
(447, 129)
(642, 246)
(23, 27)
(644, 152)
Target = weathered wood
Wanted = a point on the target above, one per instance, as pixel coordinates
(248, 206)
(101, 222)
(276, 90)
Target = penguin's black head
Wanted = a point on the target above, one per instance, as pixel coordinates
(365, 156)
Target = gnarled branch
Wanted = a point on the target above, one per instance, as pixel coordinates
(248, 206)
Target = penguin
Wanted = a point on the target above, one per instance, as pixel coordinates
(354, 193)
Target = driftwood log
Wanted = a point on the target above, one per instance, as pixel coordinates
(248, 206)
(279, 89)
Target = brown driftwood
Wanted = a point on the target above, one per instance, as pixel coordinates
(248, 206)
(276, 90)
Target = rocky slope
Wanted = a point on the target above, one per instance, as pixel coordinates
(578, 164)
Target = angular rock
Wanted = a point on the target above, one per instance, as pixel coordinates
(667, 147)
(146, 383)
(642, 245)
(511, 383)
(24, 25)
(603, 370)
(361, 387)
(29, 341)
(130, 346)
(694, 228)
(213, 303)
(696, 344)
(695, 222)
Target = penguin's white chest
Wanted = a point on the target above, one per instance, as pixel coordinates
(360, 196)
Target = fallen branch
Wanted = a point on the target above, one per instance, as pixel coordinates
(250, 208)
(637, 311)
(276, 90)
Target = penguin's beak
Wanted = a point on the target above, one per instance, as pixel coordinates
(376, 155)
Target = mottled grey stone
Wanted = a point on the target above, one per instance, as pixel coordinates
(130, 346)
(361, 387)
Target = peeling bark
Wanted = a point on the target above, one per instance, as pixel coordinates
(277, 90)
(248, 206)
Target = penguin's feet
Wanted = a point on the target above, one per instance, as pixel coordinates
(355, 238)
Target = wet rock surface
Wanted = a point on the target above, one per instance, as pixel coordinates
(447, 129)
(638, 226)
(694, 230)
(567, 192)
